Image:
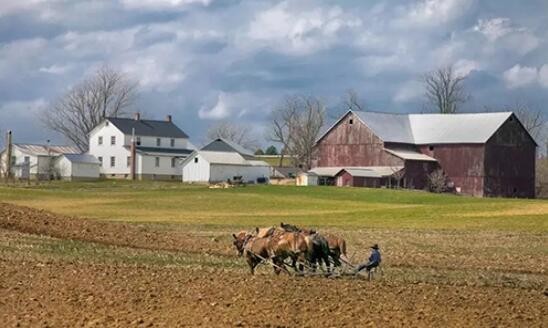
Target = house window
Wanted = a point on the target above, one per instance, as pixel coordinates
(113, 140)
(100, 140)
(158, 142)
(112, 161)
(172, 142)
(128, 161)
(27, 159)
(100, 160)
(431, 148)
(13, 160)
(138, 141)
(157, 160)
(173, 161)
(195, 159)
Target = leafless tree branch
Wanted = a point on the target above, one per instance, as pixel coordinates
(445, 90)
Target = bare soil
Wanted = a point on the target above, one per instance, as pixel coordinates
(44, 290)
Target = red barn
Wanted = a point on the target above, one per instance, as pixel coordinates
(482, 154)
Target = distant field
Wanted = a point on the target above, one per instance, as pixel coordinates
(275, 161)
(267, 205)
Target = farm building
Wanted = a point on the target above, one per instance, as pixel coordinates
(482, 154)
(77, 167)
(32, 161)
(159, 147)
(223, 160)
(306, 179)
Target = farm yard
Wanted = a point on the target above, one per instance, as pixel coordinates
(115, 253)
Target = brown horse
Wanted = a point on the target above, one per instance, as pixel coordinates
(319, 251)
(293, 245)
(337, 245)
(253, 248)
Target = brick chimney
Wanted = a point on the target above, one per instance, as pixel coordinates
(168, 118)
(137, 116)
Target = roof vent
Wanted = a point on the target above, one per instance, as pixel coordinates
(168, 118)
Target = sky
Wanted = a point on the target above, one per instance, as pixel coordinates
(204, 61)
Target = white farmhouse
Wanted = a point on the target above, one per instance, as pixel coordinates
(31, 161)
(77, 167)
(159, 147)
(220, 161)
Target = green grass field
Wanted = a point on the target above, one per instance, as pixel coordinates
(344, 208)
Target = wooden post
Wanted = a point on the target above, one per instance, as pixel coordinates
(8, 153)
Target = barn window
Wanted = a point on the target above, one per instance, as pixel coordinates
(113, 140)
(350, 121)
(157, 160)
(431, 148)
(112, 161)
(100, 141)
(195, 159)
(511, 118)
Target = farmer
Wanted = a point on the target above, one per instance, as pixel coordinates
(374, 260)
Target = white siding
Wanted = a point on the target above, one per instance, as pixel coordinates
(196, 172)
(73, 170)
(147, 165)
(106, 150)
(165, 142)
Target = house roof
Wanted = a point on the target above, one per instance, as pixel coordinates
(149, 128)
(162, 151)
(45, 150)
(409, 155)
(81, 158)
(224, 145)
(372, 171)
(434, 128)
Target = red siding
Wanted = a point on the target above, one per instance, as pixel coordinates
(510, 156)
(416, 173)
(463, 164)
(352, 145)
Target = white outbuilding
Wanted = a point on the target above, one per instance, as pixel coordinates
(78, 167)
(218, 166)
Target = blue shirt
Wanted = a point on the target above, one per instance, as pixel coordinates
(375, 256)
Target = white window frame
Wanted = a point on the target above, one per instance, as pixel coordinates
(113, 140)
(100, 140)
(112, 161)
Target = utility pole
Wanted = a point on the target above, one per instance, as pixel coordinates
(133, 153)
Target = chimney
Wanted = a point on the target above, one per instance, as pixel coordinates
(168, 118)
(137, 116)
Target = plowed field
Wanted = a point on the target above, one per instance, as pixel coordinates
(66, 271)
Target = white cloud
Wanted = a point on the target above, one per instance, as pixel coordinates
(507, 35)
(432, 12)
(8, 7)
(55, 69)
(297, 31)
(22, 109)
(153, 73)
(519, 76)
(543, 75)
(162, 4)
(494, 28)
(463, 67)
(219, 111)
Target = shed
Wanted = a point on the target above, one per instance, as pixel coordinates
(307, 179)
(217, 166)
(371, 176)
(77, 167)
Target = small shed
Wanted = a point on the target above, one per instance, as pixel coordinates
(370, 176)
(307, 179)
(219, 166)
(77, 167)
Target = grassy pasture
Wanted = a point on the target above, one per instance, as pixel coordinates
(342, 208)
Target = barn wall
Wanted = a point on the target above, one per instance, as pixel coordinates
(352, 145)
(416, 173)
(510, 156)
(463, 164)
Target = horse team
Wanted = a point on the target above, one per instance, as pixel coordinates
(305, 248)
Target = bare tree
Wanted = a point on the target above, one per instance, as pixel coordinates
(349, 101)
(75, 114)
(533, 120)
(437, 181)
(296, 124)
(445, 90)
(240, 134)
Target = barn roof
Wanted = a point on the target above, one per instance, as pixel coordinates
(224, 145)
(409, 155)
(372, 171)
(45, 150)
(82, 158)
(149, 128)
(434, 128)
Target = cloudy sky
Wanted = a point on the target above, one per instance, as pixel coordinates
(208, 60)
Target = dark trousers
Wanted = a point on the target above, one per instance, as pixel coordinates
(368, 266)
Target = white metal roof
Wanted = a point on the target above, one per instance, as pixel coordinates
(222, 157)
(325, 171)
(45, 150)
(372, 171)
(434, 128)
(410, 155)
(82, 158)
